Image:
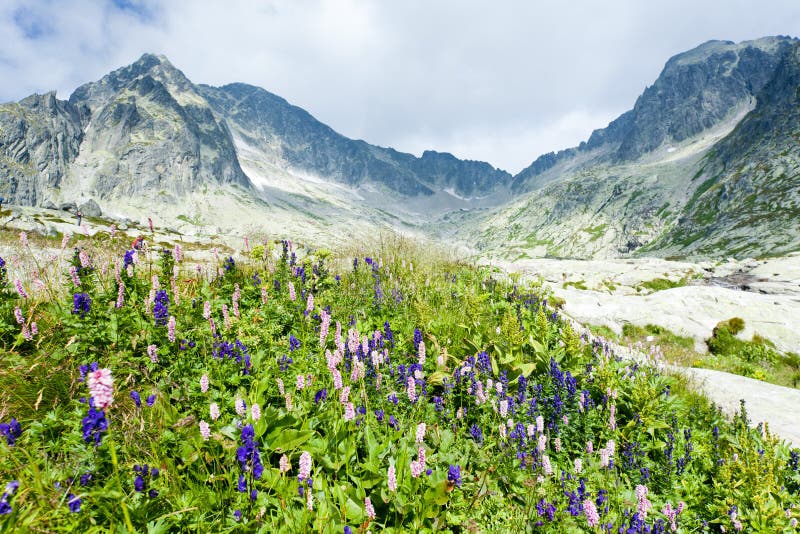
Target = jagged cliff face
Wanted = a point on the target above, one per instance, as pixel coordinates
(148, 132)
(747, 196)
(40, 137)
(695, 92)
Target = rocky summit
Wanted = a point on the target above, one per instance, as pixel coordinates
(704, 164)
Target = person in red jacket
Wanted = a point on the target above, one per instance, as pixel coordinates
(138, 243)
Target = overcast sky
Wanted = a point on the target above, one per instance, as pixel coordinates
(500, 81)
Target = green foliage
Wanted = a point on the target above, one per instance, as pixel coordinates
(661, 284)
(723, 342)
(577, 284)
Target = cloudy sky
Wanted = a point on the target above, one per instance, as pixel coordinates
(500, 81)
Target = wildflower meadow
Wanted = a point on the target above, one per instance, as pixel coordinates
(390, 389)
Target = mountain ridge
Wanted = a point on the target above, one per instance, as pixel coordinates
(146, 135)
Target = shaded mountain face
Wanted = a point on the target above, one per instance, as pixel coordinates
(748, 188)
(40, 136)
(291, 137)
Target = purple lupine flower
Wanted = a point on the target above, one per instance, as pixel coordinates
(74, 503)
(136, 398)
(94, 424)
(161, 307)
(11, 431)
(151, 400)
(476, 433)
(81, 304)
(454, 475)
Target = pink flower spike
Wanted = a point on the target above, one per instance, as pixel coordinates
(392, 478)
(305, 466)
(101, 388)
(592, 517)
(284, 464)
(369, 510)
(205, 431)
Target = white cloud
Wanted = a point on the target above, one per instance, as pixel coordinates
(501, 81)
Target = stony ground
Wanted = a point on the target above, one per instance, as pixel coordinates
(765, 293)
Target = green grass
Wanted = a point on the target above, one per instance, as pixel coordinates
(595, 232)
(660, 284)
(756, 358)
(577, 284)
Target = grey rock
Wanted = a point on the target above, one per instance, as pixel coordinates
(68, 206)
(91, 209)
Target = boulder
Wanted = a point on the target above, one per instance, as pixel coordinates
(68, 206)
(91, 209)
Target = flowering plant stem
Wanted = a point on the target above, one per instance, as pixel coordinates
(112, 448)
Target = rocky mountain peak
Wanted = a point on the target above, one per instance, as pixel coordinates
(696, 91)
(157, 67)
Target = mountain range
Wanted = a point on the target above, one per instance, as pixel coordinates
(705, 164)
